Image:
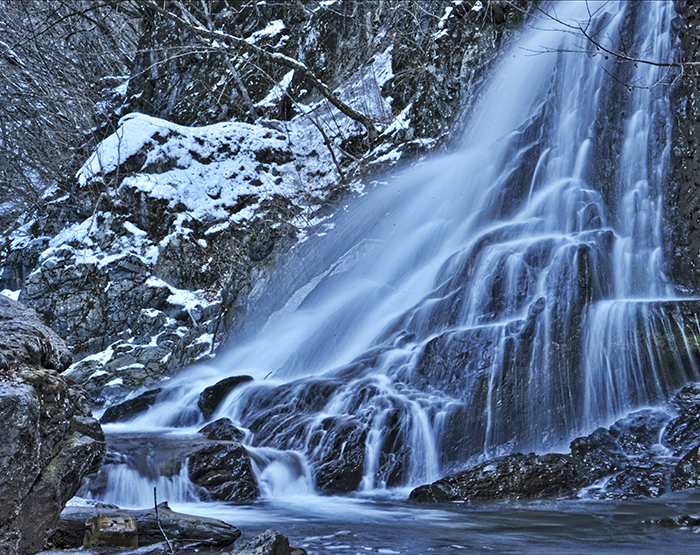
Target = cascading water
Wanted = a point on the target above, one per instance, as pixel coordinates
(504, 298)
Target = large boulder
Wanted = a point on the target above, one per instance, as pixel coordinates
(224, 469)
(270, 542)
(515, 476)
(48, 441)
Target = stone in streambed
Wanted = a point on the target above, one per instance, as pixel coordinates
(129, 409)
(222, 430)
(225, 471)
(515, 476)
(270, 542)
(687, 471)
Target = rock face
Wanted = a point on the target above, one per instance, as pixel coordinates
(684, 201)
(48, 440)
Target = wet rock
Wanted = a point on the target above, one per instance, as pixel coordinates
(639, 431)
(687, 471)
(225, 471)
(630, 442)
(599, 454)
(687, 400)
(270, 542)
(212, 397)
(131, 408)
(683, 432)
(341, 465)
(516, 476)
(222, 430)
(639, 482)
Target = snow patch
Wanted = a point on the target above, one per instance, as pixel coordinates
(273, 29)
(14, 295)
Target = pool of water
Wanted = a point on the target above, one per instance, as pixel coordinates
(341, 525)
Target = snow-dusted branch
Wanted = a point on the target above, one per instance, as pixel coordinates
(226, 41)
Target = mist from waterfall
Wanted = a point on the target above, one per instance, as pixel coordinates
(507, 297)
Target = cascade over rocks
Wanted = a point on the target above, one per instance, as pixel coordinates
(637, 457)
(128, 409)
(48, 440)
(213, 396)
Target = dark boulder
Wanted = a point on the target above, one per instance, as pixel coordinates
(687, 471)
(683, 433)
(341, 464)
(637, 482)
(270, 542)
(222, 430)
(212, 397)
(225, 471)
(129, 409)
(599, 455)
(515, 476)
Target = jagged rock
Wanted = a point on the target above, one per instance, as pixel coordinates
(341, 465)
(225, 471)
(639, 431)
(599, 454)
(24, 339)
(128, 409)
(222, 430)
(51, 442)
(212, 397)
(270, 542)
(683, 432)
(687, 471)
(177, 526)
(516, 476)
(95, 303)
(639, 482)
(687, 400)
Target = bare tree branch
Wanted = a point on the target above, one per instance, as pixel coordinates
(236, 44)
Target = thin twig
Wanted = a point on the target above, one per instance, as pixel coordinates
(155, 503)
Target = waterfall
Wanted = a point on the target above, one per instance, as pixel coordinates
(504, 298)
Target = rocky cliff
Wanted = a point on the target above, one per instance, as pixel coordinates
(226, 163)
(48, 440)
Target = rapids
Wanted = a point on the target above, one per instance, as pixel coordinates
(507, 297)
